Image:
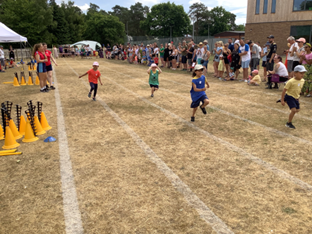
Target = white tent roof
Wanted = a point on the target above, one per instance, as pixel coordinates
(92, 44)
(8, 35)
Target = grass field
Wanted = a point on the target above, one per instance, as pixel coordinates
(129, 163)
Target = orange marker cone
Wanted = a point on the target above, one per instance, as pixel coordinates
(44, 122)
(35, 67)
(48, 83)
(22, 126)
(14, 130)
(29, 68)
(23, 82)
(39, 129)
(1, 133)
(37, 80)
(29, 134)
(30, 82)
(9, 142)
(15, 82)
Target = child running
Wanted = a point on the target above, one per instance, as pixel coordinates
(153, 72)
(291, 93)
(94, 75)
(198, 93)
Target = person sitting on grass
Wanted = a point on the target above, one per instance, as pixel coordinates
(93, 75)
(255, 78)
(231, 75)
(153, 72)
(198, 93)
(291, 93)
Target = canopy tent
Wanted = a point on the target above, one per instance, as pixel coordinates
(92, 44)
(8, 35)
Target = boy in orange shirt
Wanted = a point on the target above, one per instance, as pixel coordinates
(93, 75)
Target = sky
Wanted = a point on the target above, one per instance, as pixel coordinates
(238, 7)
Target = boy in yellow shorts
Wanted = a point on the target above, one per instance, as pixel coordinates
(291, 93)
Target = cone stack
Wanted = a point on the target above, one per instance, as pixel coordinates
(29, 134)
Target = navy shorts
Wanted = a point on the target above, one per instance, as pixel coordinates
(41, 68)
(49, 68)
(197, 102)
(155, 86)
(264, 64)
(292, 102)
(184, 59)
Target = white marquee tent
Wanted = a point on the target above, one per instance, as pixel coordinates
(8, 35)
(92, 44)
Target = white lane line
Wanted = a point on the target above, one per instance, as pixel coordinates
(228, 145)
(72, 214)
(205, 213)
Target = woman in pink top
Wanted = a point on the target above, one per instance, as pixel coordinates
(49, 65)
(307, 63)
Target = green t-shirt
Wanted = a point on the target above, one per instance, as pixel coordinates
(184, 53)
(162, 51)
(153, 78)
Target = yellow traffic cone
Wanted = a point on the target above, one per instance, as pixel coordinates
(44, 122)
(35, 67)
(23, 82)
(29, 134)
(14, 130)
(48, 83)
(22, 125)
(15, 82)
(39, 129)
(30, 82)
(37, 81)
(1, 133)
(9, 142)
(29, 68)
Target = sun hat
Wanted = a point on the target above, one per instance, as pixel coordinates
(153, 65)
(200, 43)
(96, 64)
(198, 67)
(300, 68)
(205, 41)
(255, 71)
(301, 40)
(308, 44)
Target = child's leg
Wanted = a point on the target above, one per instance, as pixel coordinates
(92, 87)
(95, 90)
(293, 111)
(194, 111)
(205, 103)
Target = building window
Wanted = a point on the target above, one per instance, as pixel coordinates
(265, 6)
(302, 5)
(257, 7)
(273, 8)
(302, 31)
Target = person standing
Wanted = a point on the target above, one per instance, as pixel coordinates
(190, 51)
(244, 52)
(264, 53)
(184, 56)
(306, 60)
(41, 60)
(271, 53)
(206, 44)
(11, 53)
(254, 56)
(231, 44)
(2, 59)
(291, 55)
(49, 65)
(55, 52)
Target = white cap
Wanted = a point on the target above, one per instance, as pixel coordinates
(153, 65)
(237, 42)
(198, 67)
(300, 68)
(96, 64)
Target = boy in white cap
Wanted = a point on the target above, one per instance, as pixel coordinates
(198, 93)
(93, 75)
(291, 93)
(153, 72)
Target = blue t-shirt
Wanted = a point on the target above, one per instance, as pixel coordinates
(208, 47)
(200, 84)
(231, 47)
(265, 50)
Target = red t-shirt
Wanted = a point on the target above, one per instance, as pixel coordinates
(48, 54)
(93, 76)
(41, 56)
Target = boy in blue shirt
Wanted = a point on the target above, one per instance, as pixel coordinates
(198, 93)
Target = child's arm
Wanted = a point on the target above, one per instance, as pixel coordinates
(207, 84)
(283, 97)
(196, 89)
(100, 80)
(159, 70)
(149, 70)
(83, 75)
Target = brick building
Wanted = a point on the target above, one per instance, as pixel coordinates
(280, 18)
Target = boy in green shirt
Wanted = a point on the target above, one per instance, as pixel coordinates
(291, 93)
(153, 73)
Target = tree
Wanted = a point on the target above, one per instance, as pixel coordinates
(164, 16)
(105, 28)
(222, 20)
(200, 15)
(240, 27)
(30, 18)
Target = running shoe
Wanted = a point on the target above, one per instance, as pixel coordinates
(94, 99)
(46, 90)
(203, 110)
(290, 125)
(89, 95)
(52, 87)
(152, 95)
(192, 119)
